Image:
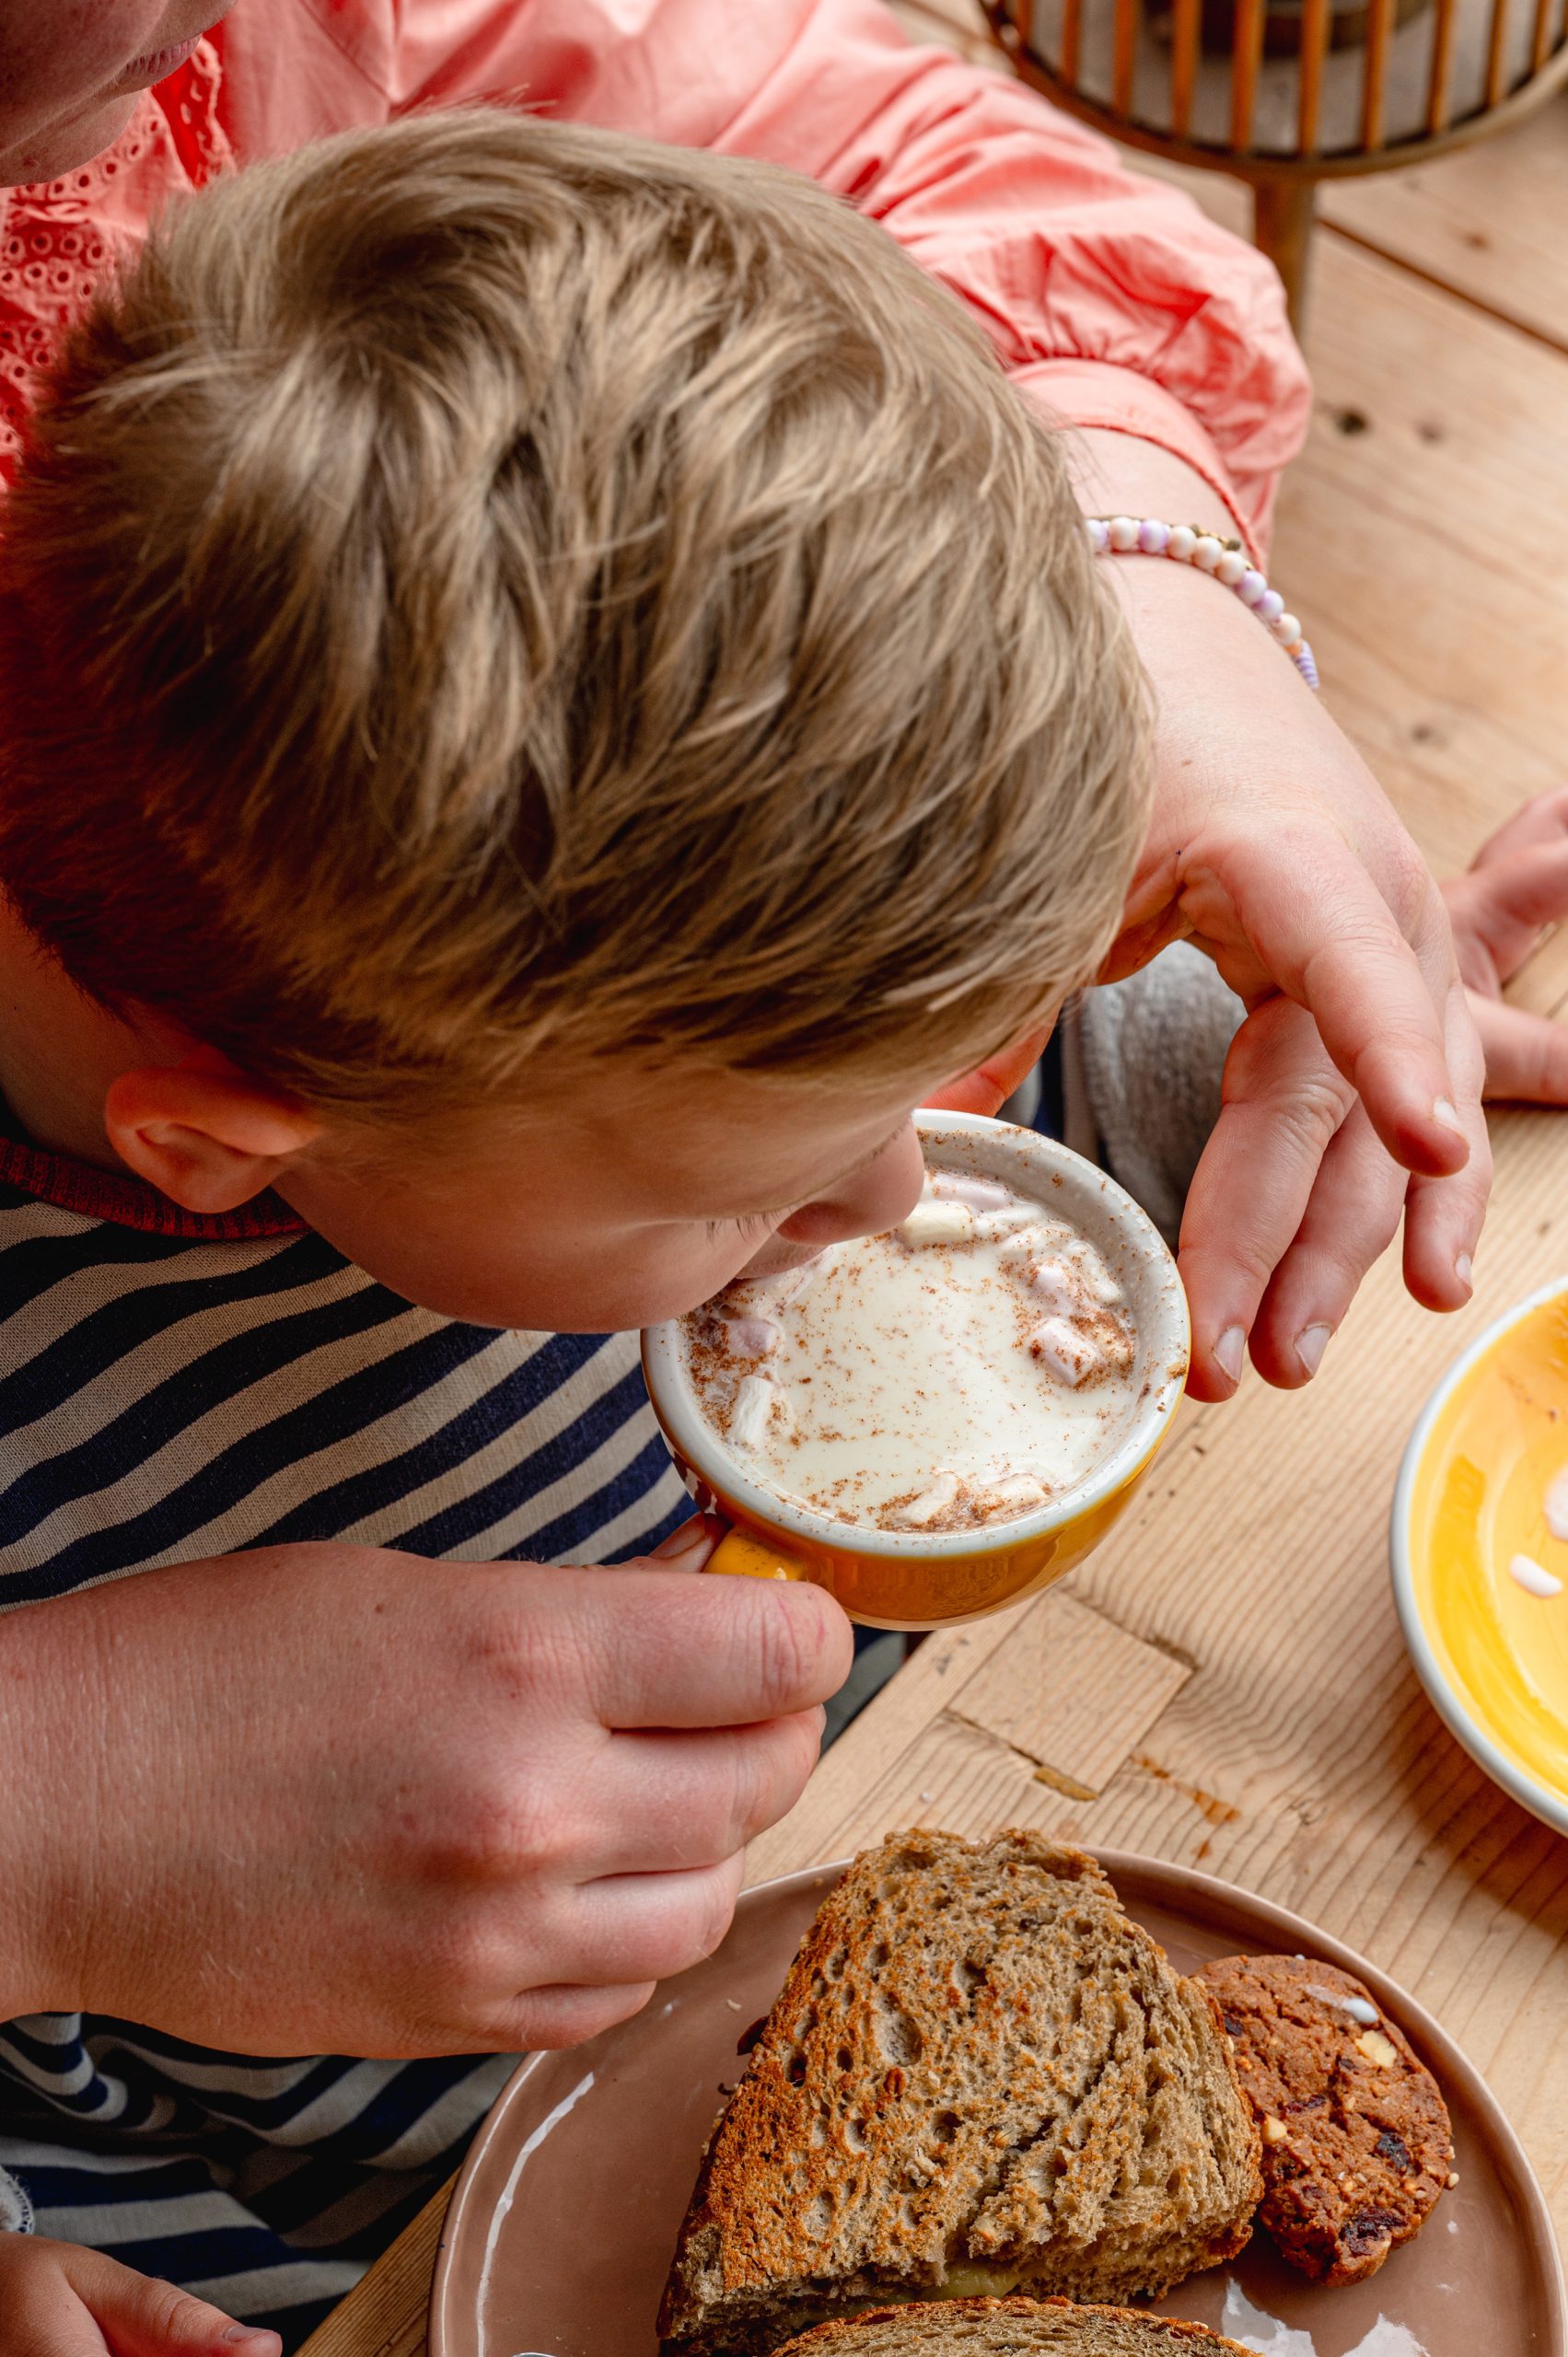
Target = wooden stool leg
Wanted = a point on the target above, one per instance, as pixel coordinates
(1282, 228)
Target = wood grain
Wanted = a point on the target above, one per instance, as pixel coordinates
(1485, 223)
(1278, 1736)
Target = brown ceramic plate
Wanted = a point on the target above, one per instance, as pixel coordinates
(567, 2210)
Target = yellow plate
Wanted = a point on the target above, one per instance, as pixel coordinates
(1469, 1540)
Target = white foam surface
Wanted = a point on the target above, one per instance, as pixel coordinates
(911, 1382)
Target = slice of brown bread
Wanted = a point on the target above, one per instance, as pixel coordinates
(1001, 2327)
(980, 2077)
(1357, 2143)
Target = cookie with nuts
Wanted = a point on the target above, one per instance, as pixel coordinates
(1357, 2144)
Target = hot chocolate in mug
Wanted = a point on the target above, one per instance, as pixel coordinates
(928, 1578)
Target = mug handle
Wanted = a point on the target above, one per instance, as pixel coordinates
(738, 1553)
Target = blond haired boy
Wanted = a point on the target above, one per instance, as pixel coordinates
(551, 692)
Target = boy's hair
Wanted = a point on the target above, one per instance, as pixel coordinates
(481, 590)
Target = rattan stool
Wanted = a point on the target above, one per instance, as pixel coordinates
(1285, 93)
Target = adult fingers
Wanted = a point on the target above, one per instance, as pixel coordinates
(605, 1942)
(1444, 1216)
(555, 2016)
(630, 1928)
(1284, 1104)
(688, 1548)
(1508, 901)
(139, 2315)
(1331, 940)
(668, 1800)
(661, 1650)
(1526, 1055)
(1351, 1218)
(992, 1083)
(1542, 820)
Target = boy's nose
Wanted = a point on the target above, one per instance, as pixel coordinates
(875, 1197)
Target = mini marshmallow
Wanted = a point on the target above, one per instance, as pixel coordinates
(758, 1402)
(1020, 1494)
(933, 1222)
(1069, 1354)
(981, 1194)
(1000, 1226)
(930, 1502)
(1533, 1577)
(790, 1284)
(1059, 1287)
(1093, 1274)
(752, 1337)
(1557, 1505)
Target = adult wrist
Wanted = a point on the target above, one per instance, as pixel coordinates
(48, 1793)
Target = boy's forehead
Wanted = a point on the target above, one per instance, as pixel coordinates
(695, 1143)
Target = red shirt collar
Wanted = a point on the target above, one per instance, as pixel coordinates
(125, 1202)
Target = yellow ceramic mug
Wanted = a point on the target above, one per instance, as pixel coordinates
(901, 1579)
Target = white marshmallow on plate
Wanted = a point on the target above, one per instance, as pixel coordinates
(1071, 1356)
(1557, 1505)
(934, 1222)
(1533, 1577)
(759, 1403)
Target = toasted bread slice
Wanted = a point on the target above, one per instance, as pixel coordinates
(979, 2078)
(1004, 2328)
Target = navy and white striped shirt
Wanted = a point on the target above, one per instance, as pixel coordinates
(173, 1387)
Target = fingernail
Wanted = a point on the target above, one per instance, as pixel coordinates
(1229, 1352)
(1310, 1345)
(1462, 1270)
(254, 2332)
(1444, 1114)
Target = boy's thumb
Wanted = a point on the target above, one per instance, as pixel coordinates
(139, 2315)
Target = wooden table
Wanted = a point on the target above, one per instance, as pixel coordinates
(1224, 1685)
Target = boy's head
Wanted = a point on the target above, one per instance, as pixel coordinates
(550, 664)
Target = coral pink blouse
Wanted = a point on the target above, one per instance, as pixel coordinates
(1108, 297)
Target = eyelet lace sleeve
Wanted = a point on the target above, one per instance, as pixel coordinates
(58, 237)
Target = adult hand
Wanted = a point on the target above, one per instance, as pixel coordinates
(1352, 1090)
(59, 2300)
(1516, 885)
(353, 1802)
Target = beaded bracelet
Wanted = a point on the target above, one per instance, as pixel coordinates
(1225, 560)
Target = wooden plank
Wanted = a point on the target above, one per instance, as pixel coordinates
(1044, 1694)
(385, 2315)
(1436, 462)
(1485, 222)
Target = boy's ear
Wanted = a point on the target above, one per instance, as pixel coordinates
(201, 1132)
